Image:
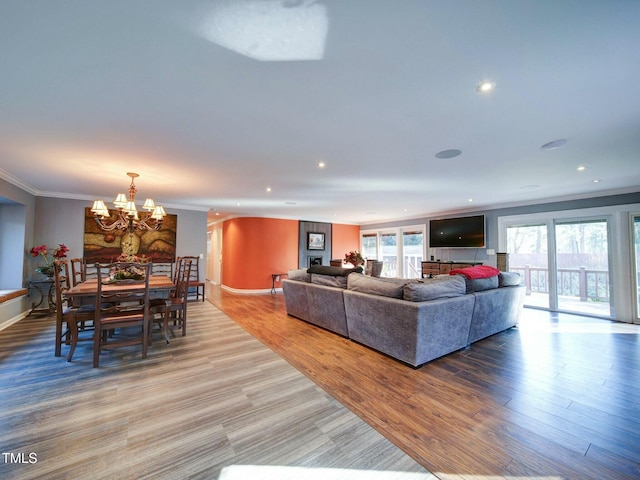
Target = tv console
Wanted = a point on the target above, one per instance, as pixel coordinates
(435, 267)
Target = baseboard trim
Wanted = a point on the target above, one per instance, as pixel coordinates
(247, 291)
(11, 321)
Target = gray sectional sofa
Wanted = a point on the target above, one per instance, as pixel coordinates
(414, 321)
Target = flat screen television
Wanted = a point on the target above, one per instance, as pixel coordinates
(461, 232)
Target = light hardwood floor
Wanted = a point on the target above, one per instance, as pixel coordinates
(558, 397)
(213, 399)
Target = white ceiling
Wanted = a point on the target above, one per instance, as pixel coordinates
(212, 102)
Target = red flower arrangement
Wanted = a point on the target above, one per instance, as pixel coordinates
(42, 251)
(354, 258)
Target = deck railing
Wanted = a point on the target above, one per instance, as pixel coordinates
(585, 284)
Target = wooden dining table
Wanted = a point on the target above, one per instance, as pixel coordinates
(159, 286)
(85, 293)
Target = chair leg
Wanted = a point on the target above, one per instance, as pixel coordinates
(97, 337)
(58, 337)
(73, 338)
(165, 324)
(145, 336)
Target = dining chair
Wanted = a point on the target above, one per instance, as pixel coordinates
(194, 282)
(373, 268)
(163, 268)
(174, 309)
(121, 303)
(66, 314)
(77, 271)
(376, 268)
(176, 270)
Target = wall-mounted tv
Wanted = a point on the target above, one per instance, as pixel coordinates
(461, 232)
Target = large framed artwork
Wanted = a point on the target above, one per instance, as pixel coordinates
(103, 247)
(315, 241)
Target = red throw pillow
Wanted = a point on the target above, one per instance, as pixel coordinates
(478, 271)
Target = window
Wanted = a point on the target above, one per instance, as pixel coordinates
(412, 253)
(370, 246)
(385, 245)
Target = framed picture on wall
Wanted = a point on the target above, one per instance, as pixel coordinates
(315, 241)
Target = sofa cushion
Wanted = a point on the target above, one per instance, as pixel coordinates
(481, 284)
(509, 279)
(385, 287)
(299, 275)
(335, 271)
(329, 280)
(433, 288)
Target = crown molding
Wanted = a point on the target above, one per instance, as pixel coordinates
(17, 182)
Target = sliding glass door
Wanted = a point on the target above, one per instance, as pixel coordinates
(528, 249)
(564, 264)
(636, 263)
(582, 266)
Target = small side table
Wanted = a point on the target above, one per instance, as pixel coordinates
(275, 277)
(44, 289)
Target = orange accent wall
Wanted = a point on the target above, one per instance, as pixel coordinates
(344, 238)
(254, 248)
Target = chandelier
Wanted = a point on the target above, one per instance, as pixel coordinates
(128, 218)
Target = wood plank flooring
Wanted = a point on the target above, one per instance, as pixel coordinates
(213, 400)
(558, 397)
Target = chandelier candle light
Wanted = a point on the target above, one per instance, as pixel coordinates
(128, 218)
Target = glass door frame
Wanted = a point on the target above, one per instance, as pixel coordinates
(620, 250)
(574, 220)
(635, 266)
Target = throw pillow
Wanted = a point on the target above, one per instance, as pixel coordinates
(299, 275)
(329, 280)
(385, 287)
(335, 271)
(509, 279)
(481, 284)
(434, 288)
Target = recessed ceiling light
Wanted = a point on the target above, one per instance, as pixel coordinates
(554, 144)
(448, 153)
(581, 168)
(470, 200)
(596, 180)
(321, 164)
(485, 87)
(268, 189)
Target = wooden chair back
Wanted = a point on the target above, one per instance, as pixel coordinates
(78, 273)
(66, 314)
(163, 268)
(196, 286)
(183, 278)
(121, 303)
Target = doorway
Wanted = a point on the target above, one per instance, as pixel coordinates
(564, 263)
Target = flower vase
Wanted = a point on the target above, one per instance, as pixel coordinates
(47, 271)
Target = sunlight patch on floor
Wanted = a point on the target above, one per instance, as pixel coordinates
(274, 472)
